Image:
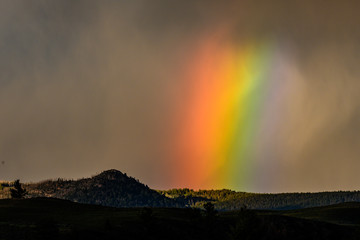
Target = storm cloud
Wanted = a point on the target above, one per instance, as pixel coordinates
(84, 86)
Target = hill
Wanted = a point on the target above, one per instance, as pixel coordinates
(47, 218)
(110, 188)
(115, 189)
(231, 200)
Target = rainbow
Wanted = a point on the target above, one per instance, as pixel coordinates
(226, 86)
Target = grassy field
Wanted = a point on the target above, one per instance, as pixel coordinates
(47, 218)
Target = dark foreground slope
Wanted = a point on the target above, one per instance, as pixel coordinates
(43, 218)
(342, 214)
(110, 188)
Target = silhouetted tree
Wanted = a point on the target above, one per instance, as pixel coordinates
(210, 211)
(210, 220)
(18, 192)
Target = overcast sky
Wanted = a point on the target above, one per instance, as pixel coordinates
(84, 86)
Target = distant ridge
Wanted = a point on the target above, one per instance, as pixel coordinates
(109, 188)
(116, 189)
(231, 200)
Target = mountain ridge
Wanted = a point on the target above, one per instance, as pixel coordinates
(114, 188)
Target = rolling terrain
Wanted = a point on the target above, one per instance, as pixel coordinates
(343, 214)
(231, 200)
(115, 189)
(48, 218)
(112, 205)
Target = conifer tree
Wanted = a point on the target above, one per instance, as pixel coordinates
(18, 192)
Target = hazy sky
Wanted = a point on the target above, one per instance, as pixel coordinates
(86, 86)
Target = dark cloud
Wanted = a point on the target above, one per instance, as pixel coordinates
(84, 85)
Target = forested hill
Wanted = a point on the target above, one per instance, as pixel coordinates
(231, 200)
(115, 189)
(110, 188)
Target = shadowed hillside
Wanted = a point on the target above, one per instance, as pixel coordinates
(46, 218)
(110, 188)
